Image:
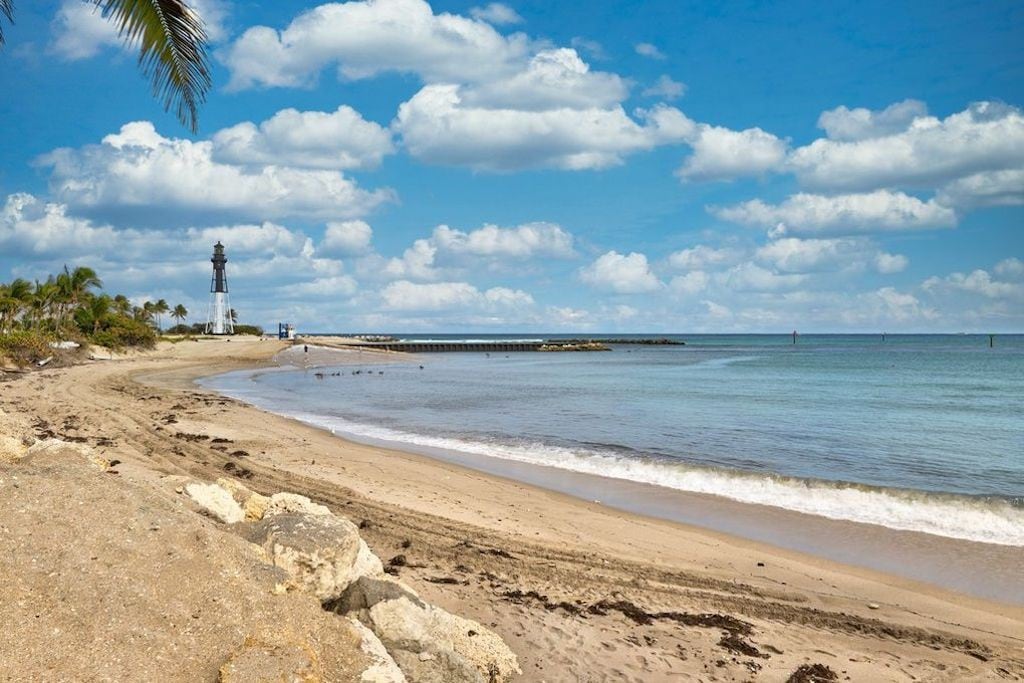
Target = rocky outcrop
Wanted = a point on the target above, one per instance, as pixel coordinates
(431, 644)
(382, 667)
(322, 554)
(254, 505)
(318, 552)
(216, 501)
(292, 503)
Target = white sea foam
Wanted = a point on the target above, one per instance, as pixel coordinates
(961, 517)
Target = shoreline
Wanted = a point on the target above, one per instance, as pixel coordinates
(984, 570)
(555, 545)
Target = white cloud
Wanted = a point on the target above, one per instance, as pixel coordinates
(346, 238)
(410, 296)
(1010, 268)
(750, 277)
(621, 273)
(416, 262)
(703, 256)
(341, 139)
(887, 263)
(991, 188)
(976, 282)
(793, 255)
(265, 238)
(523, 241)
(338, 286)
(438, 127)
(724, 154)
(553, 79)
(154, 178)
(666, 87)
(649, 50)
(29, 226)
(80, 30)
(847, 124)
(449, 251)
(842, 214)
(886, 305)
(366, 38)
(987, 136)
(690, 283)
(496, 13)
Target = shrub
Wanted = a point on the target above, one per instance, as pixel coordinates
(23, 347)
(249, 329)
(121, 331)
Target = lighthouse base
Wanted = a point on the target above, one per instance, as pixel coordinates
(218, 320)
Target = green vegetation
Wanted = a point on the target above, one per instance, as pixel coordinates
(171, 41)
(71, 307)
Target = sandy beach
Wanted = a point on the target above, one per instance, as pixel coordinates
(578, 590)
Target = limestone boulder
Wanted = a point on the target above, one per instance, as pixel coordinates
(216, 501)
(367, 591)
(367, 563)
(380, 667)
(431, 644)
(293, 503)
(254, 505)
(318, 552)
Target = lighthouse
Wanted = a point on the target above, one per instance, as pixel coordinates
(218, 320)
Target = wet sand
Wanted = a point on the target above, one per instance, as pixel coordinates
(580, 590)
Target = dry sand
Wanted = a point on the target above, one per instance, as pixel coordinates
(579, 591)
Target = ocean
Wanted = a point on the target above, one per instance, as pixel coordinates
(921, 433)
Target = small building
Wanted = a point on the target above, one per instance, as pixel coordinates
(285, 331)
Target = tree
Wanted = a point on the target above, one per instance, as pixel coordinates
(93, 313)
(171, 40)
(159, 308)
(179, 313)
(72, 288)
(122, 306)
(14, 298)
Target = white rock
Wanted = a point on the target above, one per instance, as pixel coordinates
(367, 564)
(382, 668)
(293, 503)
(408, 629)
(217, 501)
(318, 552)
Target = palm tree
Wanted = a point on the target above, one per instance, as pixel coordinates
(44, 297)
(72, 288)
(122, 306)
(13, 298)
(172, 49)
(179, 313)
(160, 307)
(144, 312)
(91, 314)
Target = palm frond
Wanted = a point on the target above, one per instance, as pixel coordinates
(172, 50)
(6, 9)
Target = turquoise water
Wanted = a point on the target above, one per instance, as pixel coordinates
(923, 433)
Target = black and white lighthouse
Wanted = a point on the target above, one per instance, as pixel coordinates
(218, 320)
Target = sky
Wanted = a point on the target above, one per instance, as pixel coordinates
(399, 166)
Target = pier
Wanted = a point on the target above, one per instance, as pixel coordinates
(456, 346)
(476, 347)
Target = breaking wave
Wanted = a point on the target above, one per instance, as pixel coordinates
(982, 519)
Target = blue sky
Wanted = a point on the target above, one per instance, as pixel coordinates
(403, 166)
